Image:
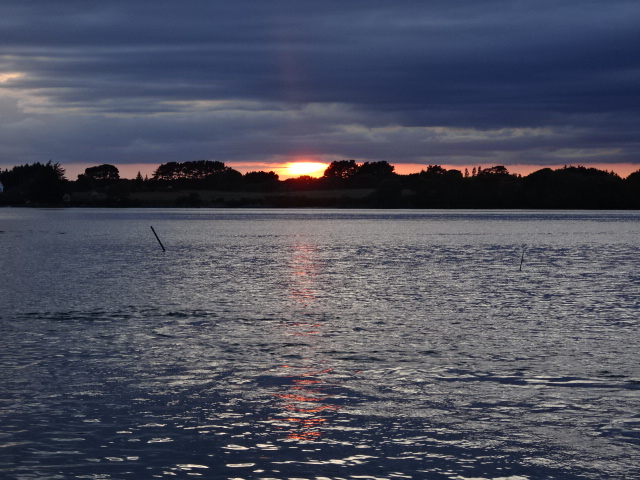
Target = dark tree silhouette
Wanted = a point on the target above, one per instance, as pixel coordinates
(198, 174)
(103, 172)
(497, 170)
(227, 179)
(303, 182)
(376, 169)
(437, 187)
(341, 169)
(573, 187)
(261, 181)
(494, 187)
(347, 173)
(632, 190)
(260, 177)
(372, 175)
(39, 183)
(433, 170)
(194, 170)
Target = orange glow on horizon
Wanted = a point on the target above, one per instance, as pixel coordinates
(291, 169)
(313, 169)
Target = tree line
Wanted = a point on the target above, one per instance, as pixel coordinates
(365, 185)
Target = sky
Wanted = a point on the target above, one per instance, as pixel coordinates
(258, 83)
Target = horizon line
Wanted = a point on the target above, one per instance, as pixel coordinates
(130, 170)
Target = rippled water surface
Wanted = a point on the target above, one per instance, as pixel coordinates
(319, 344)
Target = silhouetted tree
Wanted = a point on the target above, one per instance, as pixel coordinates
(198, 174)
(193, 170)
(376, 169)
(437, 187)
(97, 177)
(342, 169)
(573, 187)
(372, 175)
(167, 171)
(433, 187)
(40, 183)
(102, 172)
(303, 182)
(261, 181)
(227, 179)
(433, 170)
(497, 170)
(632, 190)
(494, 187)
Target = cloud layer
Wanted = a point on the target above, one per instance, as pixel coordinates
(448, 82)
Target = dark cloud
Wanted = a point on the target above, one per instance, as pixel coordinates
(404, 81)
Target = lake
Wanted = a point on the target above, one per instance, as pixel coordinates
(319, 344)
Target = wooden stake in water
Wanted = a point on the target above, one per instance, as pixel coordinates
(522, 257)
(158, 238)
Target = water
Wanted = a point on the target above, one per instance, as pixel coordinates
(319, 344)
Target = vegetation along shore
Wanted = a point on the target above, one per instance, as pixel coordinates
(345, 184)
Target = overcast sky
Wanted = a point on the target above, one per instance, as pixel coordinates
(531, 82)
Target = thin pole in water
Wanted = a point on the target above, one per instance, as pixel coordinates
(158, 238)
(522, 257)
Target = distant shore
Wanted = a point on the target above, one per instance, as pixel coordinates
(345, 184)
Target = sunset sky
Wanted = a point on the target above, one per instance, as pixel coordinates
(259, 83)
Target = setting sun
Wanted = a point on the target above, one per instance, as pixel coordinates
(314, 169)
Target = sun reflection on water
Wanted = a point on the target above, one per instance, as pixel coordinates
(308, 399)
(306, 402)
(303, 269)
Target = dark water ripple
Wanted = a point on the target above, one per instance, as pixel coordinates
(395, 347)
